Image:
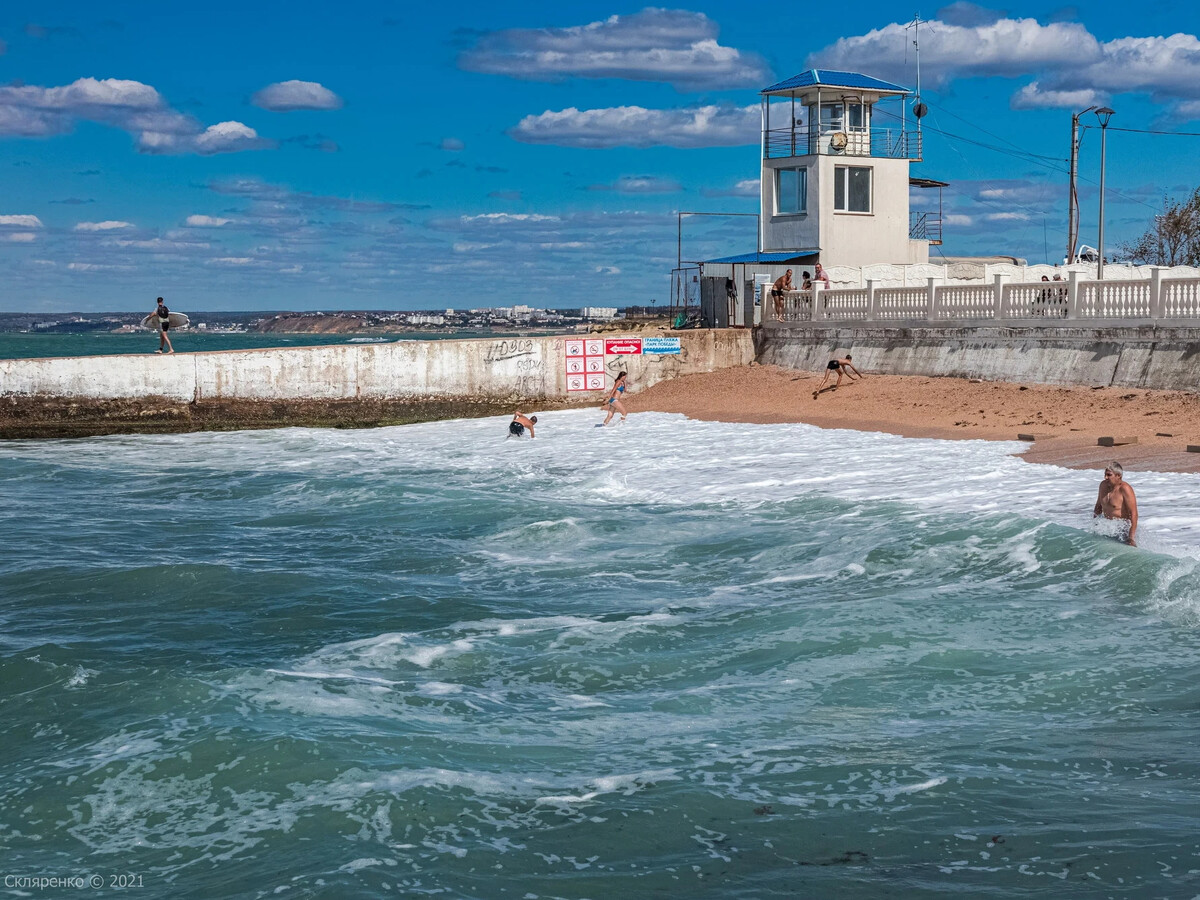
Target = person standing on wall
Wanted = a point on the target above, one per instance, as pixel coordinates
(162, 316)
(779, 290)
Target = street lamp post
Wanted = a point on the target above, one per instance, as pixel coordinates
(1103, 114)
(1073, 194)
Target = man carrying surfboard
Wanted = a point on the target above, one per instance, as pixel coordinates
(164, 324)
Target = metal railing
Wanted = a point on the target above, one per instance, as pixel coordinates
(1071, 302)
(889, 143)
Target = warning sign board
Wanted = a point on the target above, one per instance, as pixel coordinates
(585, 364)
(623, 346)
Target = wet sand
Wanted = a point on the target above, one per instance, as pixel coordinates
(1066, 422)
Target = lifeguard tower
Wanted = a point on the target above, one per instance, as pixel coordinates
(835, 170)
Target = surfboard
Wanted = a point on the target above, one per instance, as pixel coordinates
(177, 320)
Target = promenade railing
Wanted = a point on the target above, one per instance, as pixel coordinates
(1151, 300)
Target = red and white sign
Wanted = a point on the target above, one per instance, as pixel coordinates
(585, 364)
(623, 346)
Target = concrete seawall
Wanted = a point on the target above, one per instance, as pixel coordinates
(1146, 356)
(341, 385)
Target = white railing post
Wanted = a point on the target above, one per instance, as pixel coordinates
(1156, 298)
(998, 295)
(818, 302)
(870, 299)
(1072, 295)
(931, 292)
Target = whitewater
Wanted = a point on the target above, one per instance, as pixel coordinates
(663, 658)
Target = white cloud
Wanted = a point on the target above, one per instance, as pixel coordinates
(508, 218)
(286, 96)
(635, 126)
(674, 46)
(1007, 217)
(19, 237)
(103, 226)
(97, 267)
(1072, 68)
(749, 187)
(31, 111)
(1033, 96)
(233, 260)
(640, 184)
(959, 220)
(21, 221)
(224, 137)
(452, 144)
(205, 221)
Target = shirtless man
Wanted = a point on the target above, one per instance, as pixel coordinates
(519, 423)
(842, 367)
(779, 289)
(1116, 501)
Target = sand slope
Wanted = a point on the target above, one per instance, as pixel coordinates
(1068, 421)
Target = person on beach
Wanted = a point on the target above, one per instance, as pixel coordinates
(613, 401)
(779, 290)
(163, 316)
(1117, 501)
(519, 423)
(842, 367)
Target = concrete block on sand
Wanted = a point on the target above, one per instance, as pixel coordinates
(1115, 441)
(1039, 436)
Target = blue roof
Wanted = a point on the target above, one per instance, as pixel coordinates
(780, 256)
(830, 78)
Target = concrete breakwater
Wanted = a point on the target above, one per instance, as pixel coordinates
(341, 385)
(1164, 358)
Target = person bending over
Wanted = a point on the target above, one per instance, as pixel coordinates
(519, 423)
(1116, 500)
(842, 367)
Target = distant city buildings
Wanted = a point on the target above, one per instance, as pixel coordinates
(598, 312)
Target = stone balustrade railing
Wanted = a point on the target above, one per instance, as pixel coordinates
(1073, 301)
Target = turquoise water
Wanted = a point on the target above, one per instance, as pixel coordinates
(666, 658)
(15, 345)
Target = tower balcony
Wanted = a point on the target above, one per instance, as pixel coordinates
(802, 140)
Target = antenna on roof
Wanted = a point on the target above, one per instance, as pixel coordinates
(919, 107)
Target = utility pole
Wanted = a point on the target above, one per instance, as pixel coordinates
(1073, 196)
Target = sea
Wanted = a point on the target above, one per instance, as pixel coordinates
(666, 658)
(33, 345)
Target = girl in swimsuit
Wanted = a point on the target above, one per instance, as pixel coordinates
(613, 401)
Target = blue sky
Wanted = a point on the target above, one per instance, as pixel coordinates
(409, 156)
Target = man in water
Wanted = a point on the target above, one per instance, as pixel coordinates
(519, 423)
(163, 316)
(1117, 501)
(842, 367)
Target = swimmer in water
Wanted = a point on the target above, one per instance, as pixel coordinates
(519, 423)
(1116, 500)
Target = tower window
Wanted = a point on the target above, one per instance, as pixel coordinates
(791, 191)
(852, 189)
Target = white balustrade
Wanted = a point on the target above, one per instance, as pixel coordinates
(900, 304)
(965, 301)
(1041, 299)
(1156, 298)
(1180, 298)
(841, 305)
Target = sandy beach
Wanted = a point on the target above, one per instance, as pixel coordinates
(1065, 422)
